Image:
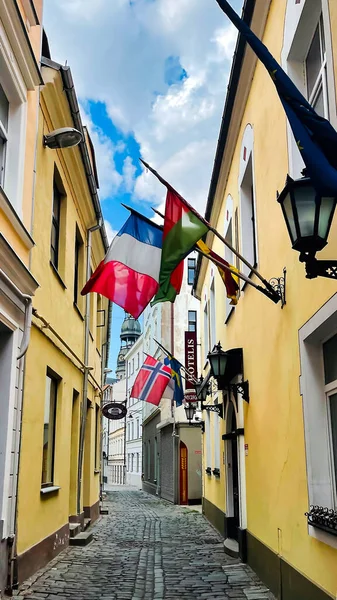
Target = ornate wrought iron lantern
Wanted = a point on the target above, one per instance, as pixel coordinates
(190, 410)
(308, 216)
(218, 361)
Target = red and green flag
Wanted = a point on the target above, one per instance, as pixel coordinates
(182, 229)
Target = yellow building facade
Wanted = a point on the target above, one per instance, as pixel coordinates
(59, 477)
(268, 460)
(20, 78)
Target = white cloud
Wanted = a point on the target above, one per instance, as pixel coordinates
(117, 52)
(108, 177)
(129, 172)
(110, 231)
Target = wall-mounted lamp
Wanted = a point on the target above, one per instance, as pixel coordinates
(308, 216)
(65, 137)
(190, 410)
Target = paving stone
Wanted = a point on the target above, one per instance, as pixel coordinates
(146, 549)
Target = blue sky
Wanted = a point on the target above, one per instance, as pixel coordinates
(151, 78)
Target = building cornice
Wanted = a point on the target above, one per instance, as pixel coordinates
(15, 220)
(14, 268)
(16, 31)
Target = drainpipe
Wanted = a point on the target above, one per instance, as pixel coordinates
(86, 370)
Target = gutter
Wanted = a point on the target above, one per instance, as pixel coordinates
(69, 88)
(239, 53)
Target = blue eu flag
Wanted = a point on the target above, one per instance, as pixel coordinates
(174, 364)
(314, 135)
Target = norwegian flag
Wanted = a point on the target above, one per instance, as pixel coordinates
(151, 381)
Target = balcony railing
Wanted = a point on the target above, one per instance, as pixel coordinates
(323, 518)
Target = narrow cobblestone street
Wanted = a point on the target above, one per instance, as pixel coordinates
(146, 548)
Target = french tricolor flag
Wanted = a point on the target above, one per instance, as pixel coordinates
(129, 274)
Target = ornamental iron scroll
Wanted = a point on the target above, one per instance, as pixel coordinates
(323, 518)
(279, 286)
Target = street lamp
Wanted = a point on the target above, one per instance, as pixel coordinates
(308, 216)
(190, 410)
(201, 389)
(218, 361)
(65, 137)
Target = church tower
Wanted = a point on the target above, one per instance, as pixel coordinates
(130, 332)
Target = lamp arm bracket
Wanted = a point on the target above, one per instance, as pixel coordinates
(240, 388)
(319, 268)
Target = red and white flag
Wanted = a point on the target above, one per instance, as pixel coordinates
(151, 381)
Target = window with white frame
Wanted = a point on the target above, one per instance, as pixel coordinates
(132, 430)
(206, 330)
(208, 457)
(307, 57)
(137, 429)
(192, 320)
(247, 202)
(137, 462)
(191, 266)
(316, 72)
(212, 332)
(330, 381)
(132, 455)
(318, 384)
(216, 437)
(4, 110)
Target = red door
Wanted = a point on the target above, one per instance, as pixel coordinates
(183, 474)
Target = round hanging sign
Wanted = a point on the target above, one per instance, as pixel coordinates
(114, 410)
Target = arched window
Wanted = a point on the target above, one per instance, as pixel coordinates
(247, 201)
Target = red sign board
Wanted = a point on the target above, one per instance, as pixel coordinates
(190, 365)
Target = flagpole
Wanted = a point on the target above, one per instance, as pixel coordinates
(212, 229)
(170, 355)
(222, 266)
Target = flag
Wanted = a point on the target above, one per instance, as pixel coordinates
(151, 381)
(174, 365)
(183, 227)
(230, 280)
(129, 274)
(314, 135)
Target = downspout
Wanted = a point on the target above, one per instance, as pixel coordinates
(86, 370)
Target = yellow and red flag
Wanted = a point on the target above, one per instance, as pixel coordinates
(230, 280)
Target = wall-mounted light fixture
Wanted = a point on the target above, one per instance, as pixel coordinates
(65, 137)
(308, 216)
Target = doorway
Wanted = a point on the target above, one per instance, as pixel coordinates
(232, 475)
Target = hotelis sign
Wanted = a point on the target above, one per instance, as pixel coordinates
(190, 365)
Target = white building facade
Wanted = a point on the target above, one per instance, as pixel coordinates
(134, 360)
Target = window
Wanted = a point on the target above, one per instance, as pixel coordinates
(208, 459)
(192, 320)
(132, 462)
(330, 380)
(191, 262)
(155, 451)
(216, 437)
(48, 453)
(132, 430)
(316, 72)
(212, 332)
(78, 266)
(55, 228)
(129, 462)
(137, 462)
(128, 432)
(137, 429)
(247, 202)
(229, 257)
(138, 360)
(149, 460)
(206, 331)
(133, 365)
(4, 109)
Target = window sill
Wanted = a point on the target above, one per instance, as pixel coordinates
(58, 275)
(78, 311)
(51, 489)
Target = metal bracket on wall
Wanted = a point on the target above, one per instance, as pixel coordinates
(217, 408)
(240, 388)
(279, 286)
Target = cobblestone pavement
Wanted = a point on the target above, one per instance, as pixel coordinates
(146, 548)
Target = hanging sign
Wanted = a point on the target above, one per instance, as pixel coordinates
(190, 365)
(114, 411)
